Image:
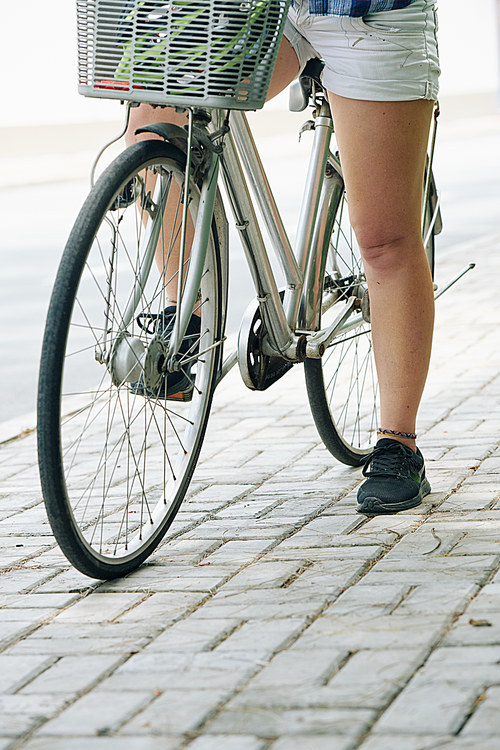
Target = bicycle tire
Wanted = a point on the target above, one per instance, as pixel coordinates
(342, 386)
(115, 461)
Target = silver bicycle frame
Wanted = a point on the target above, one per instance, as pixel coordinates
(241, 166)
(300, 311)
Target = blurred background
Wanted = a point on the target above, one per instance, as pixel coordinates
(49, 137)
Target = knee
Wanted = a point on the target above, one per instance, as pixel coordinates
(383, 254)
(384, 250)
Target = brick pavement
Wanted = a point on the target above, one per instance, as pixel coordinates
(276, 618)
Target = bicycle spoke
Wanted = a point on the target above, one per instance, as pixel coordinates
(127, 454)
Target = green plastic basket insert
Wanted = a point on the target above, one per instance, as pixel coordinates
(211, 53)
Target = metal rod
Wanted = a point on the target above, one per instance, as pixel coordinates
(265, 199)
(432, 222)
(254, 248)
(151, 236)
(454, 281)
(176, 337)
(228, 365)
(310, 308)
(323, 129)
(427, 186)
(197, 258)
(110, 143)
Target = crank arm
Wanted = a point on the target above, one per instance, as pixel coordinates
(454, 281)
(318, 342)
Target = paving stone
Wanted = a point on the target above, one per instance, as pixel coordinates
(232, 528)
(310, 741)
(10, 632)
(428, 708)
(226, 742)
(172, 714)
(190, 548)
(63, 641)
(197, 579)
(436, 599)
(299, 668)
(159, 671)
(71, 674)
(488, 600)
(68, 581)
(361, 695)
(473, 630)
(35, 616)
(274, 617)
(99, 608)
(22, 580)
(241, 550)
(267, 604)
(102, 743)
(367, 600)
(249, 508)
(32, 601)
(485, 720)
(98, 712)
(473, 569)
(194, 634)
(264, 574)
(22, 713)
(317, 679)
(357, 632)
(16, 671)
(317, 533)
(268, 722)
(163, 608)
(412, 742)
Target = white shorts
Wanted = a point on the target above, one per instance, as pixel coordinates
(385, 56)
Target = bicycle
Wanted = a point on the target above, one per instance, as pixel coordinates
(117, 453)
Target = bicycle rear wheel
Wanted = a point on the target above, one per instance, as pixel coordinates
(342, 387)
(116, 448)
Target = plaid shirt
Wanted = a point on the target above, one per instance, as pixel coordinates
(353, 7)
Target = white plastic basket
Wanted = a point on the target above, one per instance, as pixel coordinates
(210, 53)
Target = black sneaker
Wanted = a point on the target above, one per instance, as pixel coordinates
(395, 479)
(176, 385)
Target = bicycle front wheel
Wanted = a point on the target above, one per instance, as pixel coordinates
(342, 387)
(117, 447)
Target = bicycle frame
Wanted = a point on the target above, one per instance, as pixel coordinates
(286, 321)
(292, 323)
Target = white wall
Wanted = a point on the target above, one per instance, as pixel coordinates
(469, 36)
(38, 66)
(38, 59)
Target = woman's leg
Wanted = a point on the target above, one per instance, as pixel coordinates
(382, 148)
(285, 71)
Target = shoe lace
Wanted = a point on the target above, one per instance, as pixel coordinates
(388, 460)
(148, 322)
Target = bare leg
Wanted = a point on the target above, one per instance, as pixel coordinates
(285, 71)
(382, 147)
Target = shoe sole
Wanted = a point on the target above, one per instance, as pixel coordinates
(374, 506)
(184, 392)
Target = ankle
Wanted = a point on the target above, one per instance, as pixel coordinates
(406, 438)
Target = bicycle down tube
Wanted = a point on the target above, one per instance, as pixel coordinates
(240, 150)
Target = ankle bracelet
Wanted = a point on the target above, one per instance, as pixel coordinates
(397, 433)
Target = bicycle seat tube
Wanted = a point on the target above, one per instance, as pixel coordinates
(306, 239)
(268, 295)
